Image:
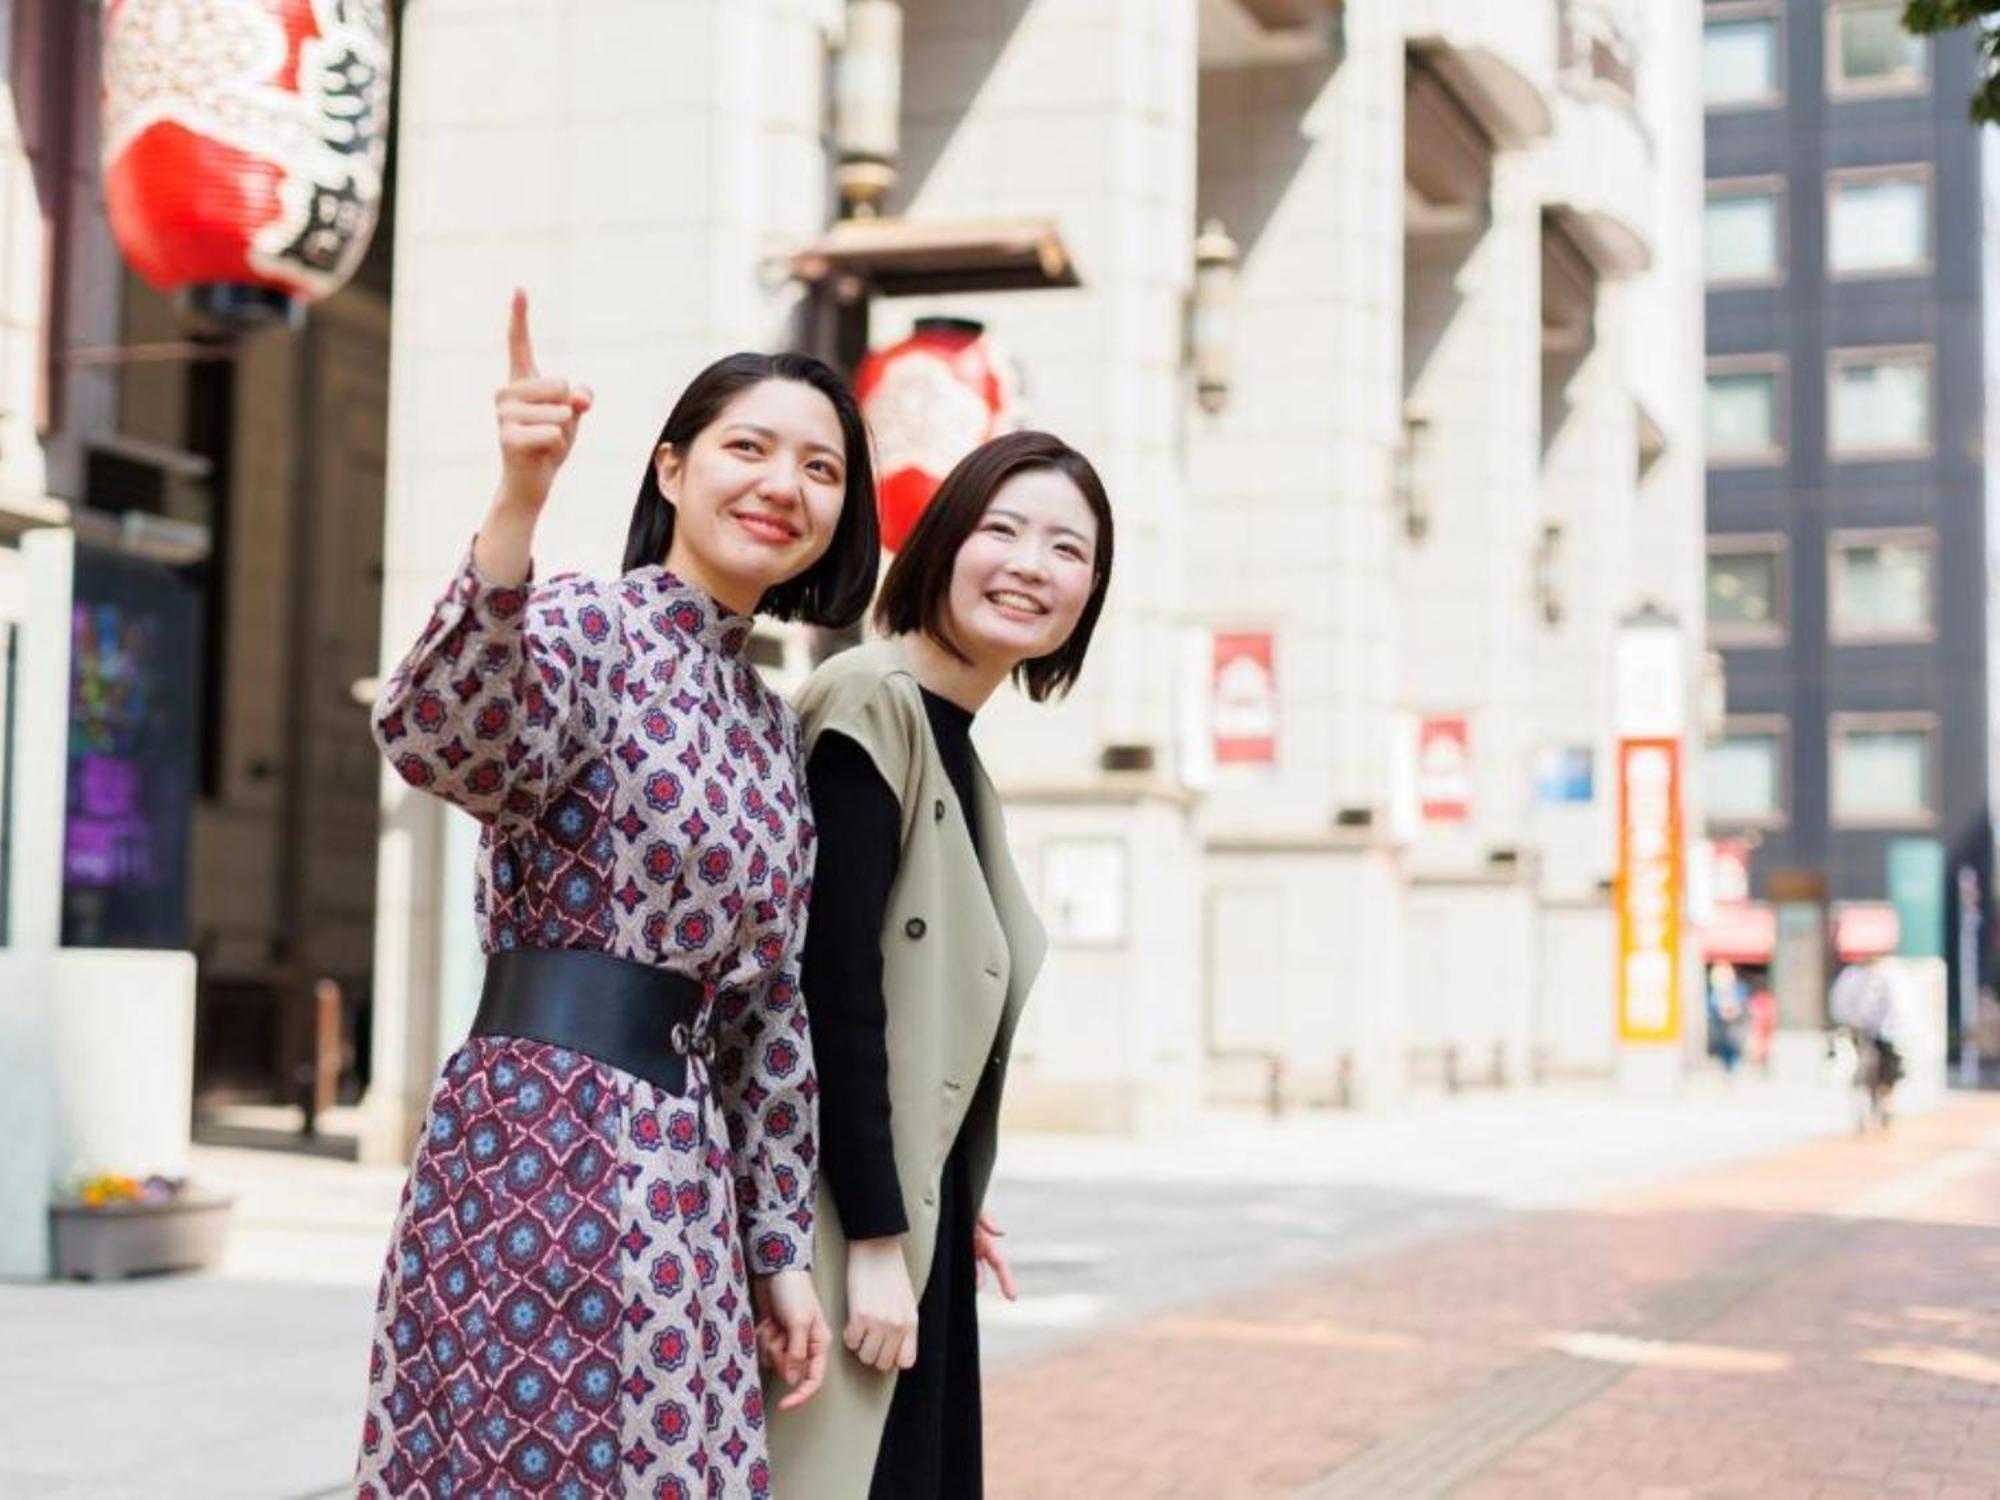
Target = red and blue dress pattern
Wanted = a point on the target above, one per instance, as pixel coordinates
(564, 1310)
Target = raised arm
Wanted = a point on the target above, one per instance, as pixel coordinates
(500, 696)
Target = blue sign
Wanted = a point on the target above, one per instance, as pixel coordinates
(1565, 774)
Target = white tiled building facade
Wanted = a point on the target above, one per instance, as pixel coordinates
(1461, 443)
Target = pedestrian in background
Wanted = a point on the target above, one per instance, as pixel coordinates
(922, 950)
(1725, 1016)
(1863, 1006)
(630, 1127)
(1763, 1023)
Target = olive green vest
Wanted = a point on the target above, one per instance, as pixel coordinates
(960, 946)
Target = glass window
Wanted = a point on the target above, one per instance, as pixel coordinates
(1879, 224)
(1871, 50)
(1739, 236)
(1742, 415)
(1881, 406)
(1882, 587)
(1743, 592)
(1739, 60)
(1742, 775)
(1881, 774)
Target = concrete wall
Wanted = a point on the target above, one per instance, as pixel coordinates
(1084, 113)
(1290, 532)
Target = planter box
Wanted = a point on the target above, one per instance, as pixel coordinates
(126, 1239)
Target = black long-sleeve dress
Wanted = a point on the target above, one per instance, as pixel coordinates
(931, 1445)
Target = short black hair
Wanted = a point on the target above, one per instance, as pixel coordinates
(917, 593)
(835, 590)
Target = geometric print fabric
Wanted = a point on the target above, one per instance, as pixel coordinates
(565, 1309)
(561, 1313)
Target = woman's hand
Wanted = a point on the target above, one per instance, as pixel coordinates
(538, 416)
(792, 1336)
(881, 1305)
(986, 1237)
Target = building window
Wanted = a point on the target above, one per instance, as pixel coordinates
(1746, 587)
(1881, 586)
(1745, 412)
(1878, 222)
(1739, 59)
(1883, 769)
(1741, 233)
(1743, 773)
(1869, 52)
(1879, 405)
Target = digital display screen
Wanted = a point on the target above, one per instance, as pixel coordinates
(131, 781)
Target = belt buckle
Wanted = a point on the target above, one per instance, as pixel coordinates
(687, 1044)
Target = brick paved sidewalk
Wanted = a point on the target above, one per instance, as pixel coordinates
(1822, 1323)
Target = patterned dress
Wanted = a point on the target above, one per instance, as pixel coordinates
(564, 1309)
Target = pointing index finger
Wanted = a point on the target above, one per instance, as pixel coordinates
(520, 350)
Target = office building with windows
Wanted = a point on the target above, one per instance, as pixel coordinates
(1846, 496)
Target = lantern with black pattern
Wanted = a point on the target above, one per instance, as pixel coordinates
(243, 147)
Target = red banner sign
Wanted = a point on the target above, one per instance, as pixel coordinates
(1243, 690)
(1444, 770)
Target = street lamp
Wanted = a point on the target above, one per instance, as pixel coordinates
(867, 105)
(1548, 572)
(1714, 690)
(1212, 336)
(1413, 473)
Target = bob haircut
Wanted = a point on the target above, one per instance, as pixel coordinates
(835, 590)
(917, 593)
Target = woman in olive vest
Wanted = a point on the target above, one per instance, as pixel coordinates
(919, 953)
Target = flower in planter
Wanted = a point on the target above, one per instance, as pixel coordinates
(104, 1189)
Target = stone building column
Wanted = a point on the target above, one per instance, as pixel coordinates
(1082, 111)
(1290, 532)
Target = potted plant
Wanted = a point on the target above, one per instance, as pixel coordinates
(108, 1226)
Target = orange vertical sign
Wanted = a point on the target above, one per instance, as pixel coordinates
(1651, 890)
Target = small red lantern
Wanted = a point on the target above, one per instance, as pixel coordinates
(243, 147)
(930, 400)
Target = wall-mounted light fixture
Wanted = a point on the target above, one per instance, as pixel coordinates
(1212, 315)
(867, 106)
(1548, 572)
(1413, 475)
(1714, 690)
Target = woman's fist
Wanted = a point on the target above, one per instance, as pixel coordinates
(881, 1305)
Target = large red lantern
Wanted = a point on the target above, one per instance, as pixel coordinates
(243, 146)
(930, 400)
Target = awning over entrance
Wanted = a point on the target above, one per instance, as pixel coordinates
(1865, 929)
(1741, 932)
(900, 259)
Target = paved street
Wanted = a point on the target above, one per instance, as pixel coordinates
(1539, 1294)
(1821, 1321)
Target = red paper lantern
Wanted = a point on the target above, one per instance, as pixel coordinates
(243, 146)
(930, 400)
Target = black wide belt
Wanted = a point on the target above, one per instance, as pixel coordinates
(628, 1015)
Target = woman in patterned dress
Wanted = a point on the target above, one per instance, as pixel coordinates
(610, 1215)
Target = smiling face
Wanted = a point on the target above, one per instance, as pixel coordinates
(1022, 578)
(757, 495)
